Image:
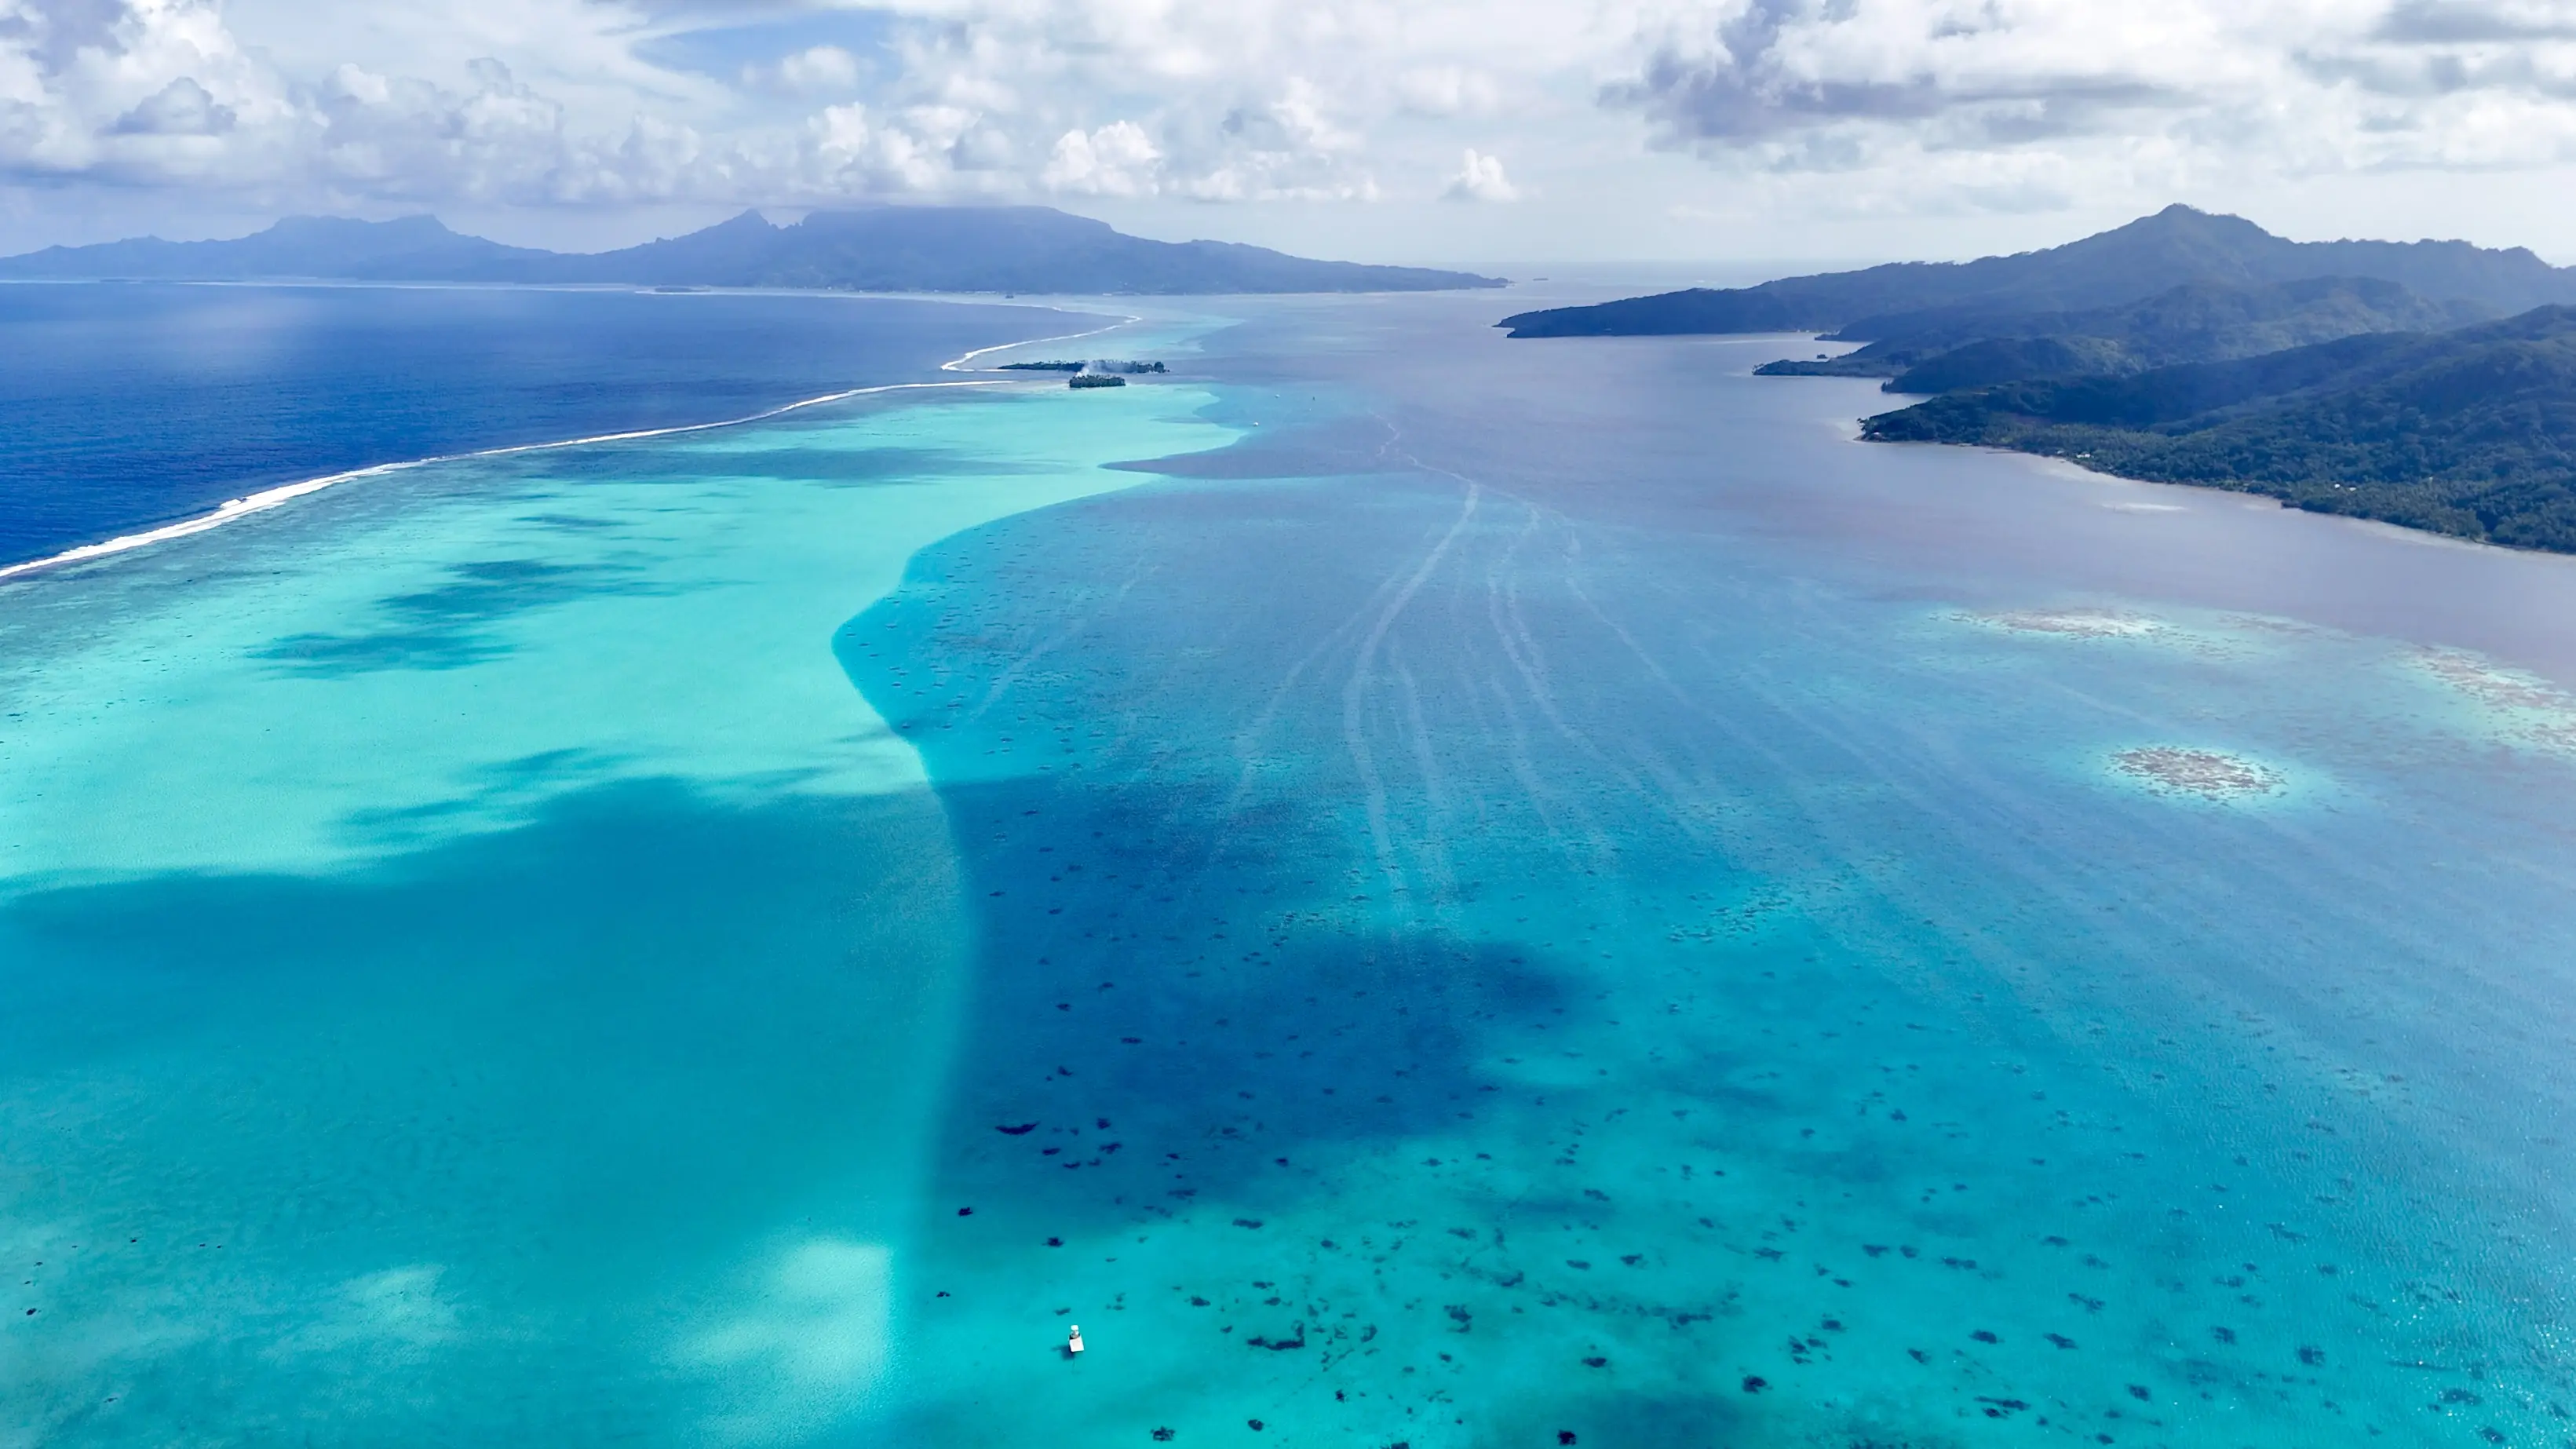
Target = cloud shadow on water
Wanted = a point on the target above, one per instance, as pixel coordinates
(832, 463)
(448, 626)
(651, 1061)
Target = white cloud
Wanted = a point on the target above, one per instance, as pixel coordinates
(1142, 98)
(1447, 90)
(819, 68)
(1115, 160)
(1811, 107)
(850, 152)
(1481, 178)
(2299, 85)
(181, 108)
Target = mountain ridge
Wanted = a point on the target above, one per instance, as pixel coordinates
(1965, 346)
(2173, 247)
(882, 248)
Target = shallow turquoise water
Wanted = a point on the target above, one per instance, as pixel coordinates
(467, 939)
(1495, 893)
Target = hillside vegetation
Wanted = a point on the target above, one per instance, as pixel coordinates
(2173, 248)
(1974, 346)
(2470, 432)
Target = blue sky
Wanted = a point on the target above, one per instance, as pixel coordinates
(1718, 132)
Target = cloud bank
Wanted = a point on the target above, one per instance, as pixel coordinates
(1890, 104)
(1960, 92)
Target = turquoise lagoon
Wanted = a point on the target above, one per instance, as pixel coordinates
(1423, 890)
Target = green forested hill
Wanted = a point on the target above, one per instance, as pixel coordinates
(2470, 432)
(1975, 346)
(2172, 248)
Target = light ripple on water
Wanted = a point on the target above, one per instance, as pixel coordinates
(1591, 962)
(1952, 1098)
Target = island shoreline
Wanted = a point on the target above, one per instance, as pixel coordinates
(2401, 531)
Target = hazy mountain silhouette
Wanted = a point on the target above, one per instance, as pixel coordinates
(885, 248)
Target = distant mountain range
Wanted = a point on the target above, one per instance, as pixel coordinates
(2175, 247)
(878, 249)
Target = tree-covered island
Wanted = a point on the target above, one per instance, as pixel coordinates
(1100, 364)
(2375, 379)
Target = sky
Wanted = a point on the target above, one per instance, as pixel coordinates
(1717, 135)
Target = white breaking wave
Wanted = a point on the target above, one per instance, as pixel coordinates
(234, 509)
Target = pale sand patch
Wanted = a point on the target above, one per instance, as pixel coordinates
(2488, 684)
(2072, 623)
(2275, 625)
(2206, 773)
(2534, 711)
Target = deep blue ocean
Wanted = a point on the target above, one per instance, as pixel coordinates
(128, 405)
(1422, 890)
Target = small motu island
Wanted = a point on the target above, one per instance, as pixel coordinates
(1095, 379)
(2076, 623)
(1100, 364)
(2206, 773)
